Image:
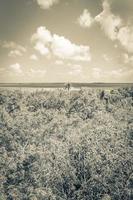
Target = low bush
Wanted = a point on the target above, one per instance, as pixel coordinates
(74, 145)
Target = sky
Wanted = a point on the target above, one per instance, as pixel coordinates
(66, 41)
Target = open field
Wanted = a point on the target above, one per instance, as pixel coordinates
(66, 145)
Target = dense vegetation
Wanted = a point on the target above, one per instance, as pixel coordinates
(66, 145)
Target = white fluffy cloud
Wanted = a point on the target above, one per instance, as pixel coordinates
(109, 22)
(65, 49)
(59, 46)
(42, 39)
(46, 4)
(85, 20)
(16, 68)
(15, 49)
(43, 35)
(113, 27)
(39, 46)
(125, 37)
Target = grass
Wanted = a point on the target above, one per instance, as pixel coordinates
(60, 145)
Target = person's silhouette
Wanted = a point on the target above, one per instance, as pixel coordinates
(68, 86)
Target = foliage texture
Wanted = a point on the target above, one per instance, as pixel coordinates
(66, 145)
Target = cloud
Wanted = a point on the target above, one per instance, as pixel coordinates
(39, 46)
(85, 20)
(16, 68)
(59, 46)
(46, 4)
(43, 35)
(114, 28)
(13, 45)
(125, 37)
(34, 57)
(109, 22)
(15, 49)
(127, 59)
(42, 39)
(14, 53)
(65, 49)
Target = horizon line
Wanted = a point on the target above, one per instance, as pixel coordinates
(64, 84)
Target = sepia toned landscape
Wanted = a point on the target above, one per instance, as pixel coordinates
(66, 99)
